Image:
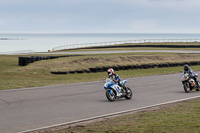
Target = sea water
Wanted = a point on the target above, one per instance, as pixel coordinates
(42, 42)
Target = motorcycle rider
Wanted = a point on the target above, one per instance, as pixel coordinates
(187, 69)
(114, 77)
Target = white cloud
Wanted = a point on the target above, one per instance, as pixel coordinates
(99, 15)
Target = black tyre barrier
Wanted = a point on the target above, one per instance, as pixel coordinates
(160, 65)
(194, 63)
(99, 69)
(37, 58)
(48, 57)
(126, 67)
(155, 66)
(150, 66)
(176, 64)
(94, 70)
(106, 68)
(86, 71)
(59, 72)
(189, 63)
(44, 58)
(71, 72)
(130, 66)
(27, 60)
(170, 64)
(23, 61)
(79, 71)
(181, 64)
(33, 59)
(133, 67)
(139, 67)
(121, 67)
(116, 68)
(144, 66)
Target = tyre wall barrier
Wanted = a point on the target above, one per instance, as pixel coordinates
(59, 72)
(23, 61)
(132, 67)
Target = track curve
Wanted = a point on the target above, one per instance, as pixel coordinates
(37, 107)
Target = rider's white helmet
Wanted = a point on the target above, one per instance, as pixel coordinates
(110, 71)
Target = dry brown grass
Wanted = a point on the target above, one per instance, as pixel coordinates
(85, 62)
(38, 73)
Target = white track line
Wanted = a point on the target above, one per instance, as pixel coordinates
(106, 115)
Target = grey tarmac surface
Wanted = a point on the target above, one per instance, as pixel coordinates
(31, 108)
(108, 52)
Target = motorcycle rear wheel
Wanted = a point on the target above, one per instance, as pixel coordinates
(128, 93)
(186, 87)
(110, 97)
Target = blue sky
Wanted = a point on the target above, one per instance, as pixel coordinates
(100, 16)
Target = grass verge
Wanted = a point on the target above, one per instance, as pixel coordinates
(175, 118)
(38, 74)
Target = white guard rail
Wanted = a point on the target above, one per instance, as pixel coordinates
(73, 46)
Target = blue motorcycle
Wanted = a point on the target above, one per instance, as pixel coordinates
(114, 91)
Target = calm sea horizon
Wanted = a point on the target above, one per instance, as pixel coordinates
(42, 42)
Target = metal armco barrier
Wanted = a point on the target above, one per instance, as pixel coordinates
(113, 43)
(130, 67)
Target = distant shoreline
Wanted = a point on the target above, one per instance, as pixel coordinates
(12, 39)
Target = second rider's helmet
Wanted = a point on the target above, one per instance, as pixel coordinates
(110, 71)
(185, 67)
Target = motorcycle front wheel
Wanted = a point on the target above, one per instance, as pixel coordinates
(110, 97)
(128, 93)
(186, 87)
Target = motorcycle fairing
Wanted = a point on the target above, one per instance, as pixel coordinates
(124, 82)
(115, 88)
(110, 84)
(111, 91)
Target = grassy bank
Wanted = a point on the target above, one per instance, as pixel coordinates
(177, 118)
(88, 61)
(38, 73)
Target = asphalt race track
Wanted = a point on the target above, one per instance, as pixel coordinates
(31, 108)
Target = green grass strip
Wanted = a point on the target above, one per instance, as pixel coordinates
(33, 79)
(178, 118)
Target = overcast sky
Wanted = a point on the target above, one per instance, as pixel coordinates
(100, 16)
